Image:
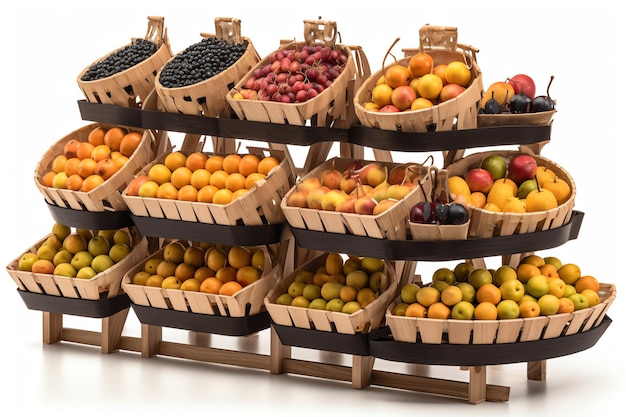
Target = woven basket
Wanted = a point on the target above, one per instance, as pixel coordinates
(455, 114)
(485, 223)
(208, 98)
(543, 118)
(261, 205)
(332, 104)
(247, 301)
(391, 224)
(438, 331)
(362, 321)
(107, 284)
(130, 87)
(108, 195)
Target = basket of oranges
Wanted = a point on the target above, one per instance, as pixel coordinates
(512, 192)
(88, 169)
(437, 86)
(125, 77)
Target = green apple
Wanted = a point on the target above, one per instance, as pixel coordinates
(101, 263)
(512, 289)
(81, 259)
(444, 274)
(318, 304)
(351, 307)
(504, 273)
(312, 291)
(580, 301)
(330, 290)
(553, 260)
(65, 270)
(118, 251)
(121, 236)
(284, 299)
(351, 264)
(408, 293)
(508, 309)
(335, 304)
(98, 245)
(399, 309)
(538, 285)
(463, 310)
(440, 285)
(372, 265)
(462, 271)
(569, 290)
(26, 261)
(526, 187)
(479, 276)
(378, 281)
(358, 279)
(62, 256)
(108, 234)
(61, 231)
(86, 272)
(496, 165)
(296, 288)
(468, 291)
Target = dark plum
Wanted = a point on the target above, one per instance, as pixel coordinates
(543, 103)
(492, 106)
(457, 214)
(520, 103)
(422, 212)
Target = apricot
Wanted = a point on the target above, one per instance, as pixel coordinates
(129, 143)
(113, 138)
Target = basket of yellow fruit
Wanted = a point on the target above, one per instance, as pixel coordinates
(196, 80)
(435, 87)
(473, 305)
(512, 192)
(125, 77)
(334, 293)
(80, 264)
(188, 284)
(301, 83)
(88, 169)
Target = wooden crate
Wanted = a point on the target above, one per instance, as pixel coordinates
(485, 223)
(261, 205)
(455, 114)
(108, 195)
(362, 321)
(106, 284)
(247, 301)
(130, 87)
(332, 104)
(543, 118)
(208, 98)
(391, 224)
(438, 331)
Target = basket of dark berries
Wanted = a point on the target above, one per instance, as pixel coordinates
(125, 77)
(515, 102)
(301, 83)
(196, 80)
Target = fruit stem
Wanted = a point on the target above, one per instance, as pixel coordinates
(537, 182)
(549, 84)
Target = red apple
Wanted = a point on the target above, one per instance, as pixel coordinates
(133, 186)
(403, 96)
(522, 167)
(523, 83)
(450, 91)
(389, 108)
(479, 179)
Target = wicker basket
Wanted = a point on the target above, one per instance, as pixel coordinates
(362, 321)
(108, 195)
(455, 114)
(247, 301)
(106, 284)
(261, 205)
(485, 223)
(208, 98)
(438, 331)
(130, 87)
(391, 224)
(332, 104)
(543, 118)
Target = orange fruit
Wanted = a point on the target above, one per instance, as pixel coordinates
(526, 271)
(477, 199)
(440, 71)
(485, 311)
(530, 308)
(214, 163)
(397, 75)
(120, 160)
(421, 64)
(101, 152)
(74, 182)
(187, 193)
(348, 293)
(96, 136)
(167, 191)
(457, 72)
(488, 293)
(190, 285)
(252, 179)
(87, 167)
(231, 162)
(180, 177)
(211, 285)
(159, 173)
(113, 138)
(587, 282)
(381, 95)
(69, 149)
(196, 160)
(249, 164)
(200, 178)
(91, 182)
(129, 143)
(235, 181)
(218, 178)
(230, 288)
(83, 150)
(438, 310)
(566, 305)
(415, 310)
(427, 296)
(421, 103)
(175, 160)
(365, 296)
(451, 295)
(222, 196)
(58, 163)
(46, 179)
(206, 193)
(266, 164)
(430, 86)
(569, 273)
(71, 166)
(592, 296)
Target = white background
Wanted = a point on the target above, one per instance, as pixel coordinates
(49, 44)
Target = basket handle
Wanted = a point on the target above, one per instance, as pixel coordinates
(441, 37)
(156, 29)
(228, 29)
(322, 32)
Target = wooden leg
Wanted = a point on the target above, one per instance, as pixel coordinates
(52, 327)
(112, 328)
(362, 367)
(151, 337)
(477, 384)
(278, 352)
(536, 371)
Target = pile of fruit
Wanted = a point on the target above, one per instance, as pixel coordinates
(85, 164)
(120, 60)
(77, 253)
(518, 185)
(367, 189)
(294, 75)
(340, 285)
(516, 95)
(538, 286)
(197, 176)
(421, 84)
(204, 267)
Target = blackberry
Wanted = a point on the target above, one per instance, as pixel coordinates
(120, 60)
(200, 61)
